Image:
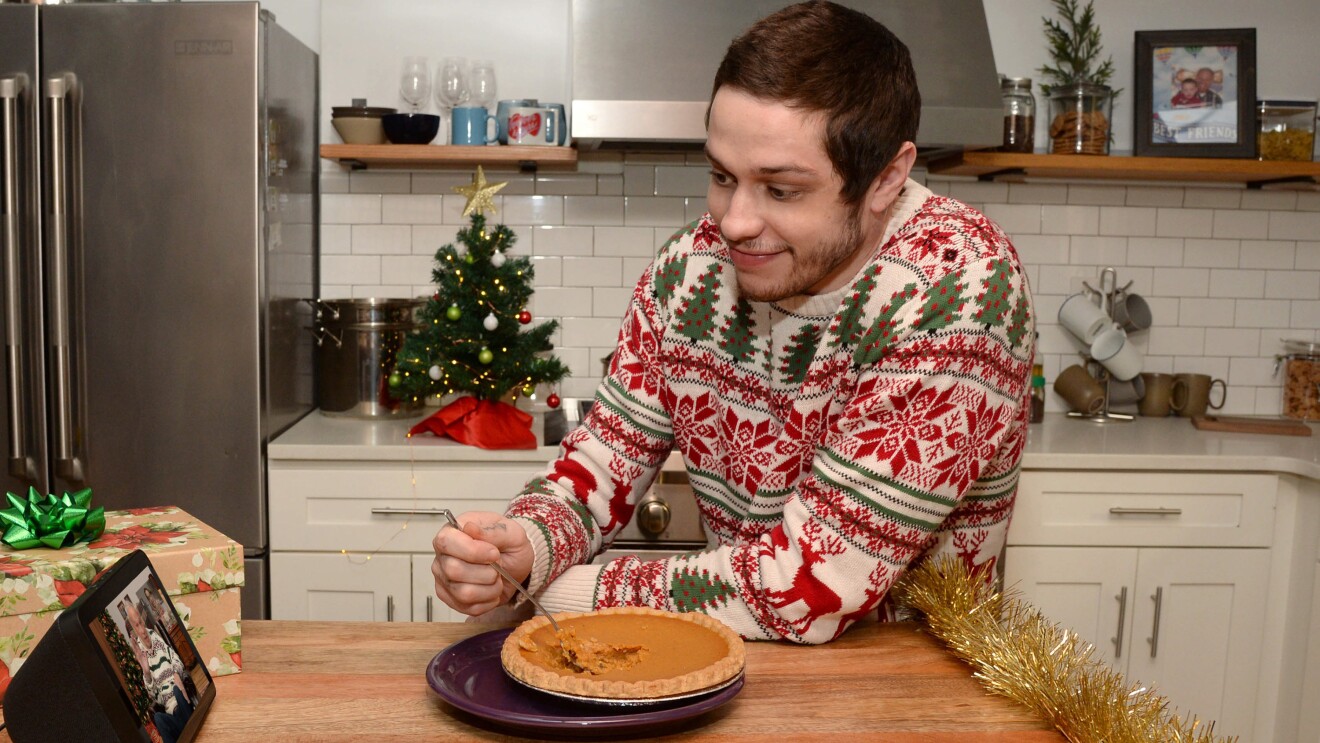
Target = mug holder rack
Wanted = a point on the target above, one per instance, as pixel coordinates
(1108, 296)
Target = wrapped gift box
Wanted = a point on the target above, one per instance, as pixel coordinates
(202, 571)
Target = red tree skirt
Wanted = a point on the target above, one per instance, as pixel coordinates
(487, 424)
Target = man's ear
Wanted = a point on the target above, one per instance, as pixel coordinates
(885, 188)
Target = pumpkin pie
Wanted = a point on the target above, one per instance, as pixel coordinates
(623, 653)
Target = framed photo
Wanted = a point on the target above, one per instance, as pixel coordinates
(1195, 93)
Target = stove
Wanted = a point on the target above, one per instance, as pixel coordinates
(667, 520)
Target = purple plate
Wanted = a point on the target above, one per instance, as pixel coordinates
(468, 675)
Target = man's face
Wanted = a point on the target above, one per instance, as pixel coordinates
(1203, 79)
(136, 625)
(776, 197)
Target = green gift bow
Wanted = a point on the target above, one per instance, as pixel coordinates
(51, 522)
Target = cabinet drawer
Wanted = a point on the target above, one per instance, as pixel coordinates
(361, 506)
(1144, 509)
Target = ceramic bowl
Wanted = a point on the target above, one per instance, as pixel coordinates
(360, 123)
(410, 128)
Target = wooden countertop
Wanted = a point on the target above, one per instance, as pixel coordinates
(350, 681)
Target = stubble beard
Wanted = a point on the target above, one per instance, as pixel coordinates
(806, 269)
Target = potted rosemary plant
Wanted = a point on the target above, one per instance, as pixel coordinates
(1076, 82)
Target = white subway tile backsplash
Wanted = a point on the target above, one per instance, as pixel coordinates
(1070, 220)
(562, 240)
(533, 210)
(1245, 225)
(1181, 282)
(350, 208)
(624, 241)
(1261, 313)
(1015, 219)
(592, 271)
(1294, 225)
(1206, 313)
(593, 210)
(1262, 199)
(412, 209)
(1211, 253)
(1127, 220)
(1292, 285)
(654, 211)
(1267, 254)
(1227, 271)
(382, 239)
(1185, 223)
(1234, 282)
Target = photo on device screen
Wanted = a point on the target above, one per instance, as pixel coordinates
(149, 652)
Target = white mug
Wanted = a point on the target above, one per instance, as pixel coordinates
(1112, 349)
(533, 125)
(1082, 318)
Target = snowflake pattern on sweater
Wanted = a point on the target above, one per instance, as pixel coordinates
(829, 445)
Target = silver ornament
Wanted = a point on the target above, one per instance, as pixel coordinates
(491, 322)
(434, 373)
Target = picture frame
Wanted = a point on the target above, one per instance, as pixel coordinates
(1195, 93)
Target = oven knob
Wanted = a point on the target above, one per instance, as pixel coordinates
(653, 517)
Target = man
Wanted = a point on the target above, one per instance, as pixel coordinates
(1205, 78)
(162, 673)
(841, 357)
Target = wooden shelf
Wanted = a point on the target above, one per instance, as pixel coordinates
(1010, 166)
(426, 156)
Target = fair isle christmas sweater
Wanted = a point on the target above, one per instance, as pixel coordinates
(831, 440)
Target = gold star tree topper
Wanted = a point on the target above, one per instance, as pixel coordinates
(480, 195)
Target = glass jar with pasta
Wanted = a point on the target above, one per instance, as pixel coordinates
(1286, 130)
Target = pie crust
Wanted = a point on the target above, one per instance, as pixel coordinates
(647, 653)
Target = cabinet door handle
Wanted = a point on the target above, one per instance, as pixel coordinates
(1122, 616)
(429, 603)
(1120, 511)
(389, 608)
(409, 511)
(1155, 630)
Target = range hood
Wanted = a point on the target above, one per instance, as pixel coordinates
(643, 69)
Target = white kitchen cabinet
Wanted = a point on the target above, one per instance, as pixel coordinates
(1170, 585)
(1309, 730)
(336, 587)
(1189, 620)
(425, 606)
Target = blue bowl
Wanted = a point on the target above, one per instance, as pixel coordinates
(410, 128)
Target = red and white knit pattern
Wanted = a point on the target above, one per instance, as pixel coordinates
(831, 440)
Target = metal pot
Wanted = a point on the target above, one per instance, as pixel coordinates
(357, 341)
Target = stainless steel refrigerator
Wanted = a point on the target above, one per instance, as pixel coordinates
(160, 209)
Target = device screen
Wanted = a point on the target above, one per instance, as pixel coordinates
(148, 650)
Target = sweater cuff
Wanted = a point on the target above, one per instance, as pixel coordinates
(540, 543)
(575, 590)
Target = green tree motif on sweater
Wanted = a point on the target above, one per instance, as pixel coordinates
(884, 330)
(670, 277)
(736, 335)
(944, 302)
(849, 328)
(992, 303)
(695, 318)
(799, 353)
(693, 591)
(1017, 328)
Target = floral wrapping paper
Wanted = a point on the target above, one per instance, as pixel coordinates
(202, 571)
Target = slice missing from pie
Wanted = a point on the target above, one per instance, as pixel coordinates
(624, 653)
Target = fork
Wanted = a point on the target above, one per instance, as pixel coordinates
(449, 516)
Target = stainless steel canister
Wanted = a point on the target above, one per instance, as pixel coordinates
(357, 342)
(1300, 364)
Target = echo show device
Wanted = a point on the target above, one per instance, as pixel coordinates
(117, 665)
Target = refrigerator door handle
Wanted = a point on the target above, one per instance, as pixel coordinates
(11, 92)
(57, 91)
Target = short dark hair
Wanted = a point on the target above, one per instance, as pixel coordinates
(823, 57)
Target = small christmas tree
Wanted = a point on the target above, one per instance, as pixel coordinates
(473, 338)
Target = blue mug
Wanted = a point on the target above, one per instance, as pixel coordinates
(502, 115)
(560, 124)
(472, 126)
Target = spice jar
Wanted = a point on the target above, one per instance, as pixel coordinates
(1287, 130)
(1019, 114)
(1300, 364)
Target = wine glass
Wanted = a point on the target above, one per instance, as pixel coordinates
(415, 82)
(481, 83)
(452, 82)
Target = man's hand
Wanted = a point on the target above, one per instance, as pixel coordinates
(464, 578)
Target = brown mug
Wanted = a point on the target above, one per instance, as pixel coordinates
(1159, 389)
(1190, 394)
(1082, 393)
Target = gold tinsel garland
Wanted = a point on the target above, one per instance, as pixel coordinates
(1016, 652)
